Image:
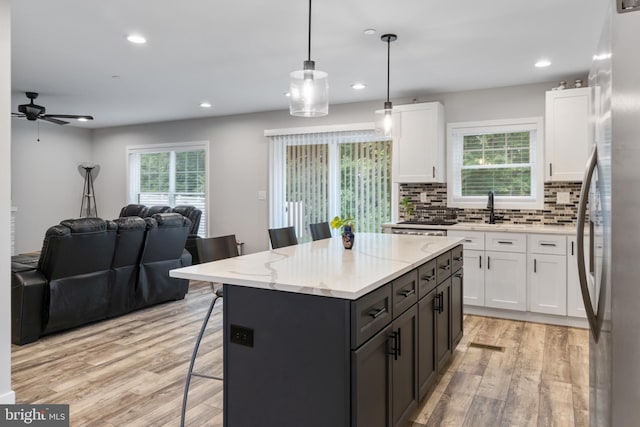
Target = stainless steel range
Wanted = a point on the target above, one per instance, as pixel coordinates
(404, 227)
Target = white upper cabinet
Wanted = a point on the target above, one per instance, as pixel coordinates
(419, 143)
(567, 134)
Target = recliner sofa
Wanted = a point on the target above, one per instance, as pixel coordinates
(92, 269)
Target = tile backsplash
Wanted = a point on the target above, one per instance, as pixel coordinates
(436, 206)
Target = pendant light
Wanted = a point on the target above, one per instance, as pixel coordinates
(384, 118)
(309, 88)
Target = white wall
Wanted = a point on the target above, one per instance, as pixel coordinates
(46, 186)
(239, 152)
(6, 394)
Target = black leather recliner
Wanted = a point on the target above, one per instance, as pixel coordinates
(91, 269)
(194, 214)
(134, 210)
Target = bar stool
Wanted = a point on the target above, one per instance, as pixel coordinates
(209, 249)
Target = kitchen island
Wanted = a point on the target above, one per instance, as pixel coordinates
(317, 335)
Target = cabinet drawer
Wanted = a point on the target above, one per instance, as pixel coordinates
(426, 278)
(443, 267)
(405, 292)
(506, 242)
(456, 258)
(369, 314)
(547, 244)
(473, 240)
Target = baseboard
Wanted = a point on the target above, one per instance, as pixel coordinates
(8, 398)
(527, 316)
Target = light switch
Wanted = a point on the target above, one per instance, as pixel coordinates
(423, 197)
(262, 195)
(562, 198)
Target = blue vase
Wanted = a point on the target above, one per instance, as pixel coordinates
(347, 237)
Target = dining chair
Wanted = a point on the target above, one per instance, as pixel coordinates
(320, 231)
(209, 249)
(281, 237)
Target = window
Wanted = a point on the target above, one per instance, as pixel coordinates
(502, 156)
(169, 174)
(318, 175)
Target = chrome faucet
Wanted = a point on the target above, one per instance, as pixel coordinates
(490, 206)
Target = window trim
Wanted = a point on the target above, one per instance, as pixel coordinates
(172, 146)
(456, 131)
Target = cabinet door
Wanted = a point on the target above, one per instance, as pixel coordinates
(547, 284)
(427, 363)
(505, 280)
(443, 323)
(567, 134)
(418, 143)
(371, 382)
(474, 265)
(575, 304)
(457, 290)
(405, 367)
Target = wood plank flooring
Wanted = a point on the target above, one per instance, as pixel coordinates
(131, 371)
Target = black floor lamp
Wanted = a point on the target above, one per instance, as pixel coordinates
(89, 171)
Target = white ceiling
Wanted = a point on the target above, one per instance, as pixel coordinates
(238, 54)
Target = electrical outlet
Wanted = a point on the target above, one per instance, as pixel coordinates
(423, 197)
(241, 335)
(562, 198)
(262, 195)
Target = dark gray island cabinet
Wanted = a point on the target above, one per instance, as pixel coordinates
(351, 354)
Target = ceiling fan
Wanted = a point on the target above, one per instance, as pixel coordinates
(34, 112)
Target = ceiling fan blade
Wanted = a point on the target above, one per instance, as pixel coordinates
(69, 116)
(18, 115)
(52, 120)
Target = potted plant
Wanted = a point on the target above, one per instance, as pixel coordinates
(346, 225)
(407, 208)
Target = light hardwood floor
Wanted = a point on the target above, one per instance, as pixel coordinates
(130, 371)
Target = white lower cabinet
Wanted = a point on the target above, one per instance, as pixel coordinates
(575, 304)
(473, 277)
(505, 280)
(547, 274)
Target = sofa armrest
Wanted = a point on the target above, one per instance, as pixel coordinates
(29, 290)
(186, 258)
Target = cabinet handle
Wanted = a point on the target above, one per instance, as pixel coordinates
(547, 244)
(441, 296)
(572, 248)
(399, 343)
(550, 169)
(479, 261)
(407, 293)
(505, 242)
(394, 346)
(535, 265)
(434, 171)
(468, 240)
(428, 278)
(436, 301)
(488, 262)
(377, 313)
(444, 267)
(458, 258)
(457, 275)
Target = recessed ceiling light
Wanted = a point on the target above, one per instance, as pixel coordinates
(358, 86)
(136, 39)
(543, 63)
(205, 104)
(370, 31)
(287, 94)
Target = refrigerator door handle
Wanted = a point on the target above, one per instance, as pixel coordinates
(582, 271)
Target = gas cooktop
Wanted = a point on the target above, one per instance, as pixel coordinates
(430, 222)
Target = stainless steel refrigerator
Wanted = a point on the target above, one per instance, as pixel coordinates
(609, 222)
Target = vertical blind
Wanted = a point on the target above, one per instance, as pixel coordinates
(316, 176)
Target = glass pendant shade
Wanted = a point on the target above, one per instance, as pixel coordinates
(309, 92)
(384, 121)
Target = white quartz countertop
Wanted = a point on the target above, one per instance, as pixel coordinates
(324, 267)
(478, 226)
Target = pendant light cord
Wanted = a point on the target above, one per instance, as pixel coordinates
(388, 63)
(309, 39)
